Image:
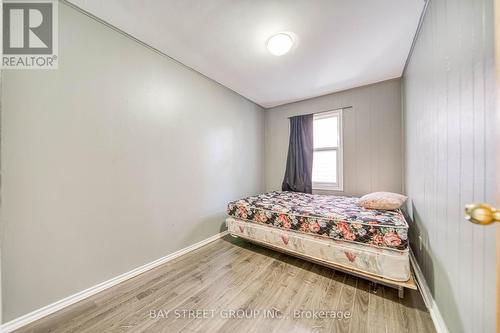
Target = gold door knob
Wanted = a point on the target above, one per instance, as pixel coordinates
(481, 213)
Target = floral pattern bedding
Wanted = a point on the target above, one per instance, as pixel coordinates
(335, 217)
(386, 263)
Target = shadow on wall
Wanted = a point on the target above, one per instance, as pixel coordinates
(431, 267)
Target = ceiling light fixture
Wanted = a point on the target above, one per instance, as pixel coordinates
(279, 44)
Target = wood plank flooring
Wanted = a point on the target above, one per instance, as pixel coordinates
(234, 286)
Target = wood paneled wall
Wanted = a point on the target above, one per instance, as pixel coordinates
(372, 137)
(448, 97)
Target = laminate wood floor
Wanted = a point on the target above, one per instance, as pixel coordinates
(233, 286)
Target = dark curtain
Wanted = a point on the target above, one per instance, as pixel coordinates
(298, 174)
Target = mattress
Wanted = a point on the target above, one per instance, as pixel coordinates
(386, 263)
(334, 217)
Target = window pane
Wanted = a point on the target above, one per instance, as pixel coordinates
(325, 132)
(325, 166)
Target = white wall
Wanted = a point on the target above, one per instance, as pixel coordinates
(119, 157)
(372, 137)
(449, 111)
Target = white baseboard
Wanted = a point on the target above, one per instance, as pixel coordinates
(428, 298)
(61, 304)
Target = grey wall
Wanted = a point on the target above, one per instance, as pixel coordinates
(119, 157)
(372, 137)
(449, 118)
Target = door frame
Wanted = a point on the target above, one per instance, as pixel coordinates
(497, 126)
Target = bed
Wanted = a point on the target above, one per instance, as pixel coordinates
(334, 231)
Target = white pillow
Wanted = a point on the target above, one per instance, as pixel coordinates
(382, 200)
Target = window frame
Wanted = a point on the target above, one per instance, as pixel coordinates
(339, 185)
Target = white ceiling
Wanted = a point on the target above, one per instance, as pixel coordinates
(340, 44)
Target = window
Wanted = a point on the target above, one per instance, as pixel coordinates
(327, 160)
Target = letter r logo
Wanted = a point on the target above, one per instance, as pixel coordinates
(27, 28)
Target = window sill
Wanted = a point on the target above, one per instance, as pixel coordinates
(328, 188)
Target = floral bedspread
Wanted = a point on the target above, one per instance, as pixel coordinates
(336, 217)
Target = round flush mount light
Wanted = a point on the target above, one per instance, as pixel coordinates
(279, 44)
